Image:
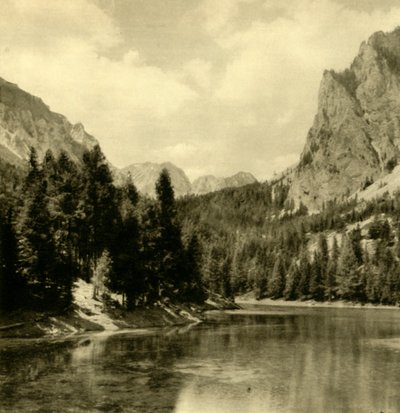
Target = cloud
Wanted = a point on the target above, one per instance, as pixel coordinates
(199, 72)
(218, 15)
(56, 50)
(242, 98)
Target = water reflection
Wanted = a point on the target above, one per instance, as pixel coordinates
(292, 360)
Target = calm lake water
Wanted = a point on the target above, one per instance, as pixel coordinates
(260, 360)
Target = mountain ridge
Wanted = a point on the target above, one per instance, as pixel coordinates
(355, 136)
(144, 176)
(26, 121)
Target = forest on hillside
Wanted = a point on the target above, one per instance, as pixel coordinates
(253, 239)
(60, 221)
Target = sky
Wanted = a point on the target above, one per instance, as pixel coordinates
(214, 86)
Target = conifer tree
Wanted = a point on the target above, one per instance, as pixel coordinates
(97, 209)
(276, 284)
(303, 287)
(101, 275)
(128, 274)
(37, 251)
(12, 289)
(150, 255)
(169, 244)
(331, 272)
(348, 280)
(192, 285)
(292, 281)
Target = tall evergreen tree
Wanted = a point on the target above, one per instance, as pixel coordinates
(276, 284)
(331, 272)
(170, 243)
(12, 289)
(192, 289)
(98, 209)
(348, 279)
(128, 275)
(292, 281)
(303, 287)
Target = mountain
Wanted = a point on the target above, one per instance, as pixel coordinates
(210, 183)
(355, 137)
(145, 175)
(25, 121)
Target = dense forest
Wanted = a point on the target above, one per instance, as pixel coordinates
(60, 221)
(255, 240)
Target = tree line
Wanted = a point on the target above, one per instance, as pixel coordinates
(260, 243)
(63, 221)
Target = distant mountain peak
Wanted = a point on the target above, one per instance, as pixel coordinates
(144, 176)
(210, 183)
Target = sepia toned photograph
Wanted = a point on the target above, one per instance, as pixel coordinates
(199, 206)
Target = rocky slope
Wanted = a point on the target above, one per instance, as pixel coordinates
(145, 175)
(25, 121)
(210, 183)
(355, 137)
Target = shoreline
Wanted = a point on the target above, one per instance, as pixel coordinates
(94, 316)
(246, 300)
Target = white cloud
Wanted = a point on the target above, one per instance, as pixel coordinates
(242, 103)
(282, 162)
(280, 60)
(54, 50)
(198, 71)
(218, 15)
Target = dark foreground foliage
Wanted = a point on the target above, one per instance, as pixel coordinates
(62, 221)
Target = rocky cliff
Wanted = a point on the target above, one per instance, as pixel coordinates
(25, 121)
(210, 183)
(145, 175)
(355, 137)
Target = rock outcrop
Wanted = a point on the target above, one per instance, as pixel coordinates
(210, 183)
(25, 122)
(355, 137)
(145, 175)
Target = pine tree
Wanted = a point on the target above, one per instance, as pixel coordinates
(317, 276)
(12, 289)
(303, 287)
(276, 284)
(101, 275)
(150, 254)
(170, 243)
(192, 285)
(292, 281)
(37, 252)
(128, 275)
(331, 272)
(348, 280)
(97, 209)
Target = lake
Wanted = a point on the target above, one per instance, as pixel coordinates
(262, 359)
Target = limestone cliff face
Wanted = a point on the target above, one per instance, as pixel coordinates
(145, 175)
(25, 121)
(355, 136)
(210, 183)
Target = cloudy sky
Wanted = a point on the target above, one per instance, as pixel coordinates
(214, 86)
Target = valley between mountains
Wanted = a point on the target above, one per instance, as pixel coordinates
(146, 239)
